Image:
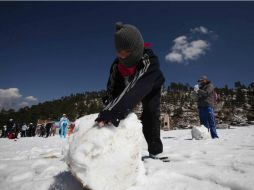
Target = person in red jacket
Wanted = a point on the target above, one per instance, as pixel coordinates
(135, 76)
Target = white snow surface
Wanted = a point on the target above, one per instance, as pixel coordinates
(223, 164)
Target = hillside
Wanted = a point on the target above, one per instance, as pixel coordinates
(234, 106)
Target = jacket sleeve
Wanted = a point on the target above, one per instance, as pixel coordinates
(206, 92)
(144, 81)
(110, 85)
(60, 122)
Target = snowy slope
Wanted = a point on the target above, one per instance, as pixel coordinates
(226, 163)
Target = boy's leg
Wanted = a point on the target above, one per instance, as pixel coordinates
(212, 122)
(151, 121)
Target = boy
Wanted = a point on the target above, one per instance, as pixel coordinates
(135, 76)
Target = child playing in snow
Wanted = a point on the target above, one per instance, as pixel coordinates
(135, 76)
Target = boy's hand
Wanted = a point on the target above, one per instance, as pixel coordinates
(106, 117)
(103, 123)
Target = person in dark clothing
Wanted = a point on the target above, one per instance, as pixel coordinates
(206, 100)
(10, 125)
(42, 130)
(48, 127)
(31, 130)
(16, 130)
(135, 76)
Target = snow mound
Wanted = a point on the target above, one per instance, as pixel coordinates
(200, 133)
(106, 158)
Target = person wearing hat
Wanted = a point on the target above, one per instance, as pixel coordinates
(135, 76)
(64, 123)
(206, 100)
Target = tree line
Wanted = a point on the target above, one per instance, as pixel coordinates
(175, 94)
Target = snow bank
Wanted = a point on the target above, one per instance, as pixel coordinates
(200, 132)
(106, 158)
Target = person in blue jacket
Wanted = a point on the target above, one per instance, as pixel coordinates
(64, 123)
(135, 76)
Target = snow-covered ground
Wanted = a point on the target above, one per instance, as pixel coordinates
(227, 163)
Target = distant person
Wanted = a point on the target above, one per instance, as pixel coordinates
(135, 76)
(24, 130)
(32, 129)
(12, 129)
(42, 130)
(206, 100)
(10, 125)
(29, 130)
(38, 130)
(16, 130)
(53, 129)
(4, 132)
(64, 123)
(48, 128)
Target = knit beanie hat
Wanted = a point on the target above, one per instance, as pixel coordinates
(128, 37)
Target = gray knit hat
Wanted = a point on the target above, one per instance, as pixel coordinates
(128, 37)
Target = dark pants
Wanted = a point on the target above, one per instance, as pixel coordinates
(4, 134)
(48, 132)
(207, 118)
(23, 133)
(151, 121)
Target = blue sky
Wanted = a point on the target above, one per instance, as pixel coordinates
(53, 49)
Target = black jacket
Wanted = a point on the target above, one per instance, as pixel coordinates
(122, 98)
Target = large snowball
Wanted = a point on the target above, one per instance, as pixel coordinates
(106, 158)
(200, 132)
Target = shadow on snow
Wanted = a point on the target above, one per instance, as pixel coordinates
(66, 181)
